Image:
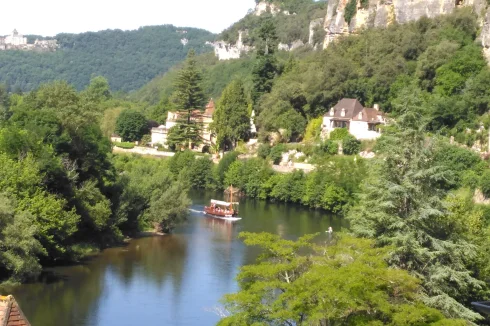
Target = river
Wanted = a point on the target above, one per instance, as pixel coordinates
(175, 279)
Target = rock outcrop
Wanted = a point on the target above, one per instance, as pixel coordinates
(226, 51)
(263, 7)
(381, 13)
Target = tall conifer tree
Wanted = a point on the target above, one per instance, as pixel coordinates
(402, 205)
(231, 119)
(188, 96)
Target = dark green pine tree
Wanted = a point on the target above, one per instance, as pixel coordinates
(231, 119)
(188, 96)
(265, 68)
(402, 205)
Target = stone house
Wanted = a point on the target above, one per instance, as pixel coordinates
(362, 123)
(159, 135)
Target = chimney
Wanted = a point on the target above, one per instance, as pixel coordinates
(376, 107)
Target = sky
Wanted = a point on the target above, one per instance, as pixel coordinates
(50, 17)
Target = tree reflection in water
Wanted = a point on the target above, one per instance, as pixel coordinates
(165, 279)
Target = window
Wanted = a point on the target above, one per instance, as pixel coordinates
(341, 124)
(372, 127)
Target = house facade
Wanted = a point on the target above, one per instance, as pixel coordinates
(363, 123)
(205, 118)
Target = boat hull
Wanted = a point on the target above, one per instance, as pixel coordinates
(221, 214)
(226, 218)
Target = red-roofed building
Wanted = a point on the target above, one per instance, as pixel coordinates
(362, 123)
(10, 313)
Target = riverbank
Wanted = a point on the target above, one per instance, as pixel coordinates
(178, 276)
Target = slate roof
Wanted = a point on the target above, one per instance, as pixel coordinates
(351, 108)
(10, 313)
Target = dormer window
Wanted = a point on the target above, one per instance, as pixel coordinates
(331, 111)
(359, 116)
(342, 113)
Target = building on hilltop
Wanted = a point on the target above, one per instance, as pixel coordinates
(10, 312)
(15, 39)
(361, 122)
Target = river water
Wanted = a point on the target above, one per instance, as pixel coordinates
(175, 279)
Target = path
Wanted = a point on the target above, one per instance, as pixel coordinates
(142, 151)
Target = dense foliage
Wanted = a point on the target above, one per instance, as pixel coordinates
(131, 125)
(437, 57)
(345, 283)
(129, 59)
(60, 194)
(231, 121)
(330, 187)
(290, 28)
(438, 237)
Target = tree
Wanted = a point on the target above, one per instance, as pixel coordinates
(98, 90)
(402, 205)
(188, 96)
(170, 207)
(265, 68)
(231, 120)
(131, 125)
(158, 112)
(347, 283)
(19, 247)
(350, 145)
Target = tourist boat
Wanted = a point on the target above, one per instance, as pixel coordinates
(227, 210)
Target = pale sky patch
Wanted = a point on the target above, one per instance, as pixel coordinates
(50, 17)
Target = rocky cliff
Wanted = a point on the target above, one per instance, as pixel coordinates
(350, 16)
(229, 50)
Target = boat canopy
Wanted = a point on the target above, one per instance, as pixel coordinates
(222, 203)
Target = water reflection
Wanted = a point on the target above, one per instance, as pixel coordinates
(169, 280)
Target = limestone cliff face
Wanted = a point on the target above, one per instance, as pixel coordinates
(227, 51)
(381, 13)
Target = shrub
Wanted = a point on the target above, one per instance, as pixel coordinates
(313, 129)
(223, 166)
(485, 183)
(350, 145)
(180, 161)
(264, 150)
(145, 140)
(330, 147)
(470, 178)
(200, 173)
(276, 153)
(339, 134)
(124, 145)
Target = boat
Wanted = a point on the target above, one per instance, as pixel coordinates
(227, 210)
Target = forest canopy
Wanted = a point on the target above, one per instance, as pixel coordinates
(128, 59)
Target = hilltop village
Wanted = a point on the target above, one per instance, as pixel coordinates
(17, 41)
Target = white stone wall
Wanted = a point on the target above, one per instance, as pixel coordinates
(359, 129)
(15, 40)
(158, 136)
